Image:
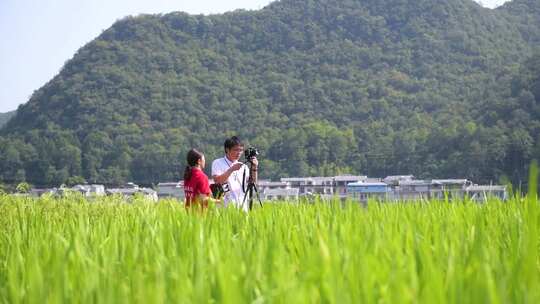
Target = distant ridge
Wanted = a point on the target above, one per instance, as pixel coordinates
(5, 117)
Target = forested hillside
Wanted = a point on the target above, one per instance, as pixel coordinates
(435, 88)
(4, 117)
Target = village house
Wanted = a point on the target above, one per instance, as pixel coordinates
(323, 185)
(451, 188)
(89, 190)
(363, 191)
(356, 187)
(171, 190)
(303, 184)
(410, 189)
(263, 185)
(341, 182)
(37, 192)
(281, 194)
(481, 193)
(131, 189)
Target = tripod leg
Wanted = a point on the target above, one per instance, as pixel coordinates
(249, 196)
(244, 200)
(257, 192)
(250, 191)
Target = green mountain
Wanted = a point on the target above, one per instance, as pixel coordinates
(378, 87)
(4, 117)
(526, 15)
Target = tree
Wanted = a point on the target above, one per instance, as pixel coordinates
(75, 180)
(23, 187)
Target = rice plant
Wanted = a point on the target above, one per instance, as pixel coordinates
(108, 251)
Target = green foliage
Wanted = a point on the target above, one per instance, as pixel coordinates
(75, 180)
(431, 88)
(109, 251)
(5, 117)
(23, 187)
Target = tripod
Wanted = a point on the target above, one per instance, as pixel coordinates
(251, 189)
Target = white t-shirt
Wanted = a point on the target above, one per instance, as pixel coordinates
(235, 194)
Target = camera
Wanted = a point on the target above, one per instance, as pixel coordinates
(250, 153)
(218, 190)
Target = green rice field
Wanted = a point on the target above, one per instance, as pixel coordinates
(108, 251)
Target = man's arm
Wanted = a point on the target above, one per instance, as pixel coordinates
(222, 178)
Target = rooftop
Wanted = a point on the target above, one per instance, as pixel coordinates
(486, 188)
(373, 184)
(345, 178)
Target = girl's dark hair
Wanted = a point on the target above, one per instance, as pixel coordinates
(231, 142)
(192, 158)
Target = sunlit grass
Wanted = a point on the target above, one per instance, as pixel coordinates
(109, 251)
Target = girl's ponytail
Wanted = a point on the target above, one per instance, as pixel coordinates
(187, 173)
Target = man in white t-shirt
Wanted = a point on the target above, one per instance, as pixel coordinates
(232, 174)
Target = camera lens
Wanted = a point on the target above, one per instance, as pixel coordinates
(251, 152)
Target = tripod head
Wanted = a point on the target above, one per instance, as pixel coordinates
(250, 154)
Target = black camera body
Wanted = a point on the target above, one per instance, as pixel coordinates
(250, 153)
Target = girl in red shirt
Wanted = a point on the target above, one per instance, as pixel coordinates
(196, 186)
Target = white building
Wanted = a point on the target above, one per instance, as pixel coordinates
(171, 190)
(453, 188)
(281, 194)
(36, 192)
(341, 181)
(303, 184)
(395, 179)
(323, 185)
(363, 191)
(130, 189)
(409, 189)
(89, 190)
(311, 185)
(268, 184)
(481, 193)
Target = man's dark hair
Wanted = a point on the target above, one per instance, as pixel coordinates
(231, 142)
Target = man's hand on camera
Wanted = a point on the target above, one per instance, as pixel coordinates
(255, 162)
(236, 166)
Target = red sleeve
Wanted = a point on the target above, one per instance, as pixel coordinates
(203, 187)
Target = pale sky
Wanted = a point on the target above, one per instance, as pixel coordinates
(40, 36)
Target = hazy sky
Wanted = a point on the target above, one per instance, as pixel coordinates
(38, 37)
